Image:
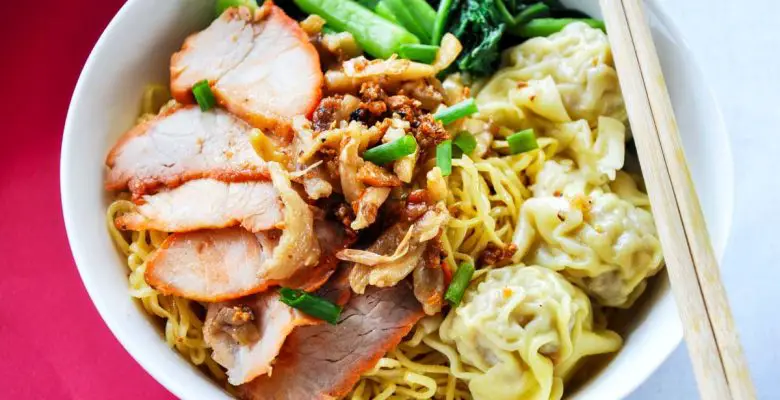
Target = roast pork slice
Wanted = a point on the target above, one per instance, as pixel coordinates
(208, 204)
(246, 335)
(260, 65)
(181, 144)
(224, 264)
(325, 361)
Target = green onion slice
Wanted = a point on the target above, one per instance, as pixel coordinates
(203, 95)
(310, 304)
(460, 281)
(418, 52)
(385, 153)
(466, 142)
(444, 157)
(456, 112)
(223, 5)
(522, 141)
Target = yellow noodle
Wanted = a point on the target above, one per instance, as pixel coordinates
(183, 328)
(484, 198)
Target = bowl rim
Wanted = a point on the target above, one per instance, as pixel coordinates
(176, 387)
(180, 388)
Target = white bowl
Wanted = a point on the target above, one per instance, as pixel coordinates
(135, 49)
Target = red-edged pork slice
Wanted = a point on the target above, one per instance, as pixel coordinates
(182, 144)
(213, 52)
(261, 67)
(225, 264)
(208, 204)
(325, 361)
(245, 335)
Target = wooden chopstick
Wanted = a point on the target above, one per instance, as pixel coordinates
(716, 355)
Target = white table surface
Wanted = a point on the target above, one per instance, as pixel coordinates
(737, 45)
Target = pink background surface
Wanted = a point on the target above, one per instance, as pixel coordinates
(53, 344)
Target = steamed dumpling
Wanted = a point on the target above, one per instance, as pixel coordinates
(599, 153)
(579, 61)
(524, 329)
(542, 97)
(606, 245)
(559, 177)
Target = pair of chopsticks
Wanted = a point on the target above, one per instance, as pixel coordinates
(713, 345)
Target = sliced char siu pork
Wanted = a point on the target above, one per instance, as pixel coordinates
(224, 264)
(181, 144)
(260, 65)
(208, 204)
(325, 361)
(246, 334)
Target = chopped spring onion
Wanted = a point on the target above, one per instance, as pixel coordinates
(439, 25)
(444, 157)
(466, 142)
(548, 26)
(385, 153)
(456, 112)
(203, 95)
(460, 281)
(223, 5)
(418, 52)
(310, 304)
(522, 141)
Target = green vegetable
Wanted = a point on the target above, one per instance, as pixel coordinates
(444, 157)
(411, 18)
(383, 11)
(537, 10)
(440, 23)
(460, 281)
(223, 5)
(310, 304)
(370, 4)
(378, 36)
(385, 153)
(424, 14)
(329, 30)
(548, 26)
(505, 14)
(466, 142)
(418, 52)
(522, 141)
(479, 26)
(203, 95)
(456, 112)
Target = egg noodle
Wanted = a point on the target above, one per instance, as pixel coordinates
(566, 75)
(183, 327)
(484, 199)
